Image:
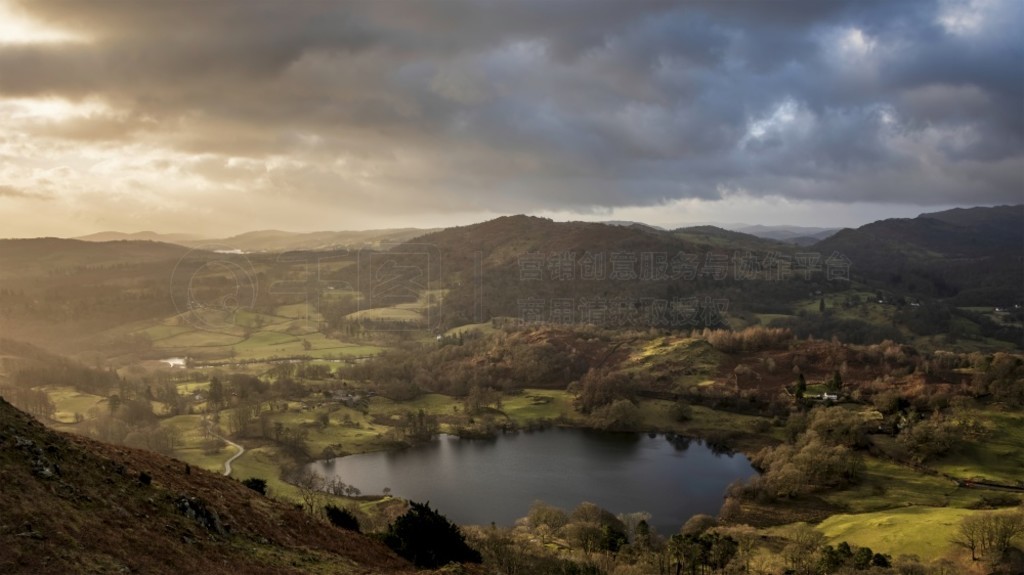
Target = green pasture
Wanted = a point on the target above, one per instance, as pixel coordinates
(997, 457)
(387, 314)
(915, 530)
(887, 485)
(537, 404)
(70, 401)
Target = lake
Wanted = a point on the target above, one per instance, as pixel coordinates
(474, 481)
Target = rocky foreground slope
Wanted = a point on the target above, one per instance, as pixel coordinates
(72, 505)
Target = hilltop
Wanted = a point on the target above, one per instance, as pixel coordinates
(492, 267)
(71, 505)
(502, 240)
(28, 257)
(971, 255)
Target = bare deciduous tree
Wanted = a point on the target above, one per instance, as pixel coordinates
(991, 533)
(311, 490)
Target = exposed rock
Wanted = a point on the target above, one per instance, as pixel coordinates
(196, 510)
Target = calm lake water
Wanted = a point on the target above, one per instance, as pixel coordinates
(480, 481)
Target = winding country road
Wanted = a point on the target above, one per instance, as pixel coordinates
(241, 450)
(227, 463)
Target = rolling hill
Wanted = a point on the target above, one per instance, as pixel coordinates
(522, 266)
(73, 505)
(25, 257)
(496, 267)
(973, 256)
(65, 292)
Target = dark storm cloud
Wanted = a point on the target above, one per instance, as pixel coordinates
(526, 105)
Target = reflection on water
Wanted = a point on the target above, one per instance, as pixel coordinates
(484, 481)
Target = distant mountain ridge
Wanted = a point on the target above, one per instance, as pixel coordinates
(627, 224)
(799, 235)
(272, 240)
(147, 236)
(278, 240)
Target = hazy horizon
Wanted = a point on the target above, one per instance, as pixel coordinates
(728, 225)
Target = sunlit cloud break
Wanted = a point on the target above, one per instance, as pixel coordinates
(219, 117)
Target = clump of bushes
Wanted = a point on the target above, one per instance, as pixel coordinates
(256, 484)
(754, 338)
(341, 517)
(429, 539)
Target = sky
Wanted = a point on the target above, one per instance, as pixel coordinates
(217, 117)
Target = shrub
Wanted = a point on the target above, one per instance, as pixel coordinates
(428, 539)
(341, 517)
(256, 484)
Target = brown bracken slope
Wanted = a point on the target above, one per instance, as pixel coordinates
(73, 505)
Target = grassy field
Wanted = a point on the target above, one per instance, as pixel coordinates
(267, 339)
(665, 355)
(767, 318)
(358, 437)
(164, 331)
(657, 414)
(294, 327)
(267, 344)
(189, 431)
(389, 314)
(870, 311)
(999, 456)
(291, 331)
(916, 530)
(192, 387)
(887, 485)
(264, 463)
(199, 339)
(70, 401)
(302, 311)
(196, 457)
(536, 404)
(253, 320)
